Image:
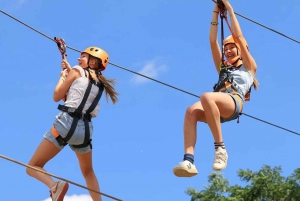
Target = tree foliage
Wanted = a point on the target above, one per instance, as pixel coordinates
(267, 184)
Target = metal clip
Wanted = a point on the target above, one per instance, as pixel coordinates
(71, 110)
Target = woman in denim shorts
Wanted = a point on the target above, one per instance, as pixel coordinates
(226, 102)
(75, 82)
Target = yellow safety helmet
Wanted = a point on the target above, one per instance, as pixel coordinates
(98, 53)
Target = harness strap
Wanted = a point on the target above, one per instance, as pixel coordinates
(79, 109)
(58, 137)
(87, 140)
(96, 100)
(85, 97)
(74, 113)
(87, 137)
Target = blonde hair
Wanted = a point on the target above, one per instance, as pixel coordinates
(108, 83)
(109, 88)
(255, 83)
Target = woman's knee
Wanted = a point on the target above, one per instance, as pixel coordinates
(206, 98)
(32, 164)
(195, 112)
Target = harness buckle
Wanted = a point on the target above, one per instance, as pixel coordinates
(71, 110)
(234, 85)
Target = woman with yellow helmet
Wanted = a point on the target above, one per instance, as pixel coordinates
(83, 84)
(236, 77)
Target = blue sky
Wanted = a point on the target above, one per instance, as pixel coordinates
(138, 141)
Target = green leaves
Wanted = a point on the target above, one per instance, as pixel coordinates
(267, 184)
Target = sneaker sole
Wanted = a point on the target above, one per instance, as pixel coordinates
(219, 169)
(63, 192)
(181, 172)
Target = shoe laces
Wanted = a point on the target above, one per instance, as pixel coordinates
(220, 156)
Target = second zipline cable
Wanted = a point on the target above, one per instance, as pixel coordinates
(158, 80)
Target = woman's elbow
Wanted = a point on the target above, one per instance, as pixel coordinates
(55, 97)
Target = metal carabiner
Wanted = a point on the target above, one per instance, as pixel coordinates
(61, 44)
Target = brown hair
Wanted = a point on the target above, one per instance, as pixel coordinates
(108, 83)
(255, 83)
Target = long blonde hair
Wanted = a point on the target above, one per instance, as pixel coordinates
(108, 83)
(255, 83)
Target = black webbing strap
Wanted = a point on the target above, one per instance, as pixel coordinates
(222, 38)
(87, 140)
(96, 100)
(79, 109)
(87, 136)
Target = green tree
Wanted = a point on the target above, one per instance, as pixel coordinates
(267, 184)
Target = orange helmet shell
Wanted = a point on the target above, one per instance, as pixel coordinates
(232, 40)
(98, 53)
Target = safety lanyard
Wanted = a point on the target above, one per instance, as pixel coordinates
(223, 15)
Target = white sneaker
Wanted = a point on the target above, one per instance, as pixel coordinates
(58, 192)
(221, 158)
(185, 169)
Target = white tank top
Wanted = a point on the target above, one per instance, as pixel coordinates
(77, 90)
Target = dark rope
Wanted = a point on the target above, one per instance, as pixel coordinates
(145, 75)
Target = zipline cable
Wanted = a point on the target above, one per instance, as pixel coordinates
(150, 77)
(60, 178)
(264, 26)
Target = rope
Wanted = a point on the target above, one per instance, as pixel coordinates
(150, 77)
(60, 178)
(264, 26)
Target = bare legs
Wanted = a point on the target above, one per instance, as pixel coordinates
(86, 166)
(45, 152)
(209, 110)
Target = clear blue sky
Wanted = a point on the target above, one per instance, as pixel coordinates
(138, 141)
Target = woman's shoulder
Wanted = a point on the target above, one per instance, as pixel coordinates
(80, 70)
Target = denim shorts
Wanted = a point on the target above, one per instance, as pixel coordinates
(62, 123)
(238, 104)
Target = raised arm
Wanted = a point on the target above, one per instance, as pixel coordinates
(248, 60)
(213, 38)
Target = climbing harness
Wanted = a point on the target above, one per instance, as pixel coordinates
(226, 81)
(77, 114)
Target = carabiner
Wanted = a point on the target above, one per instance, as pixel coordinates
(61, 46)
